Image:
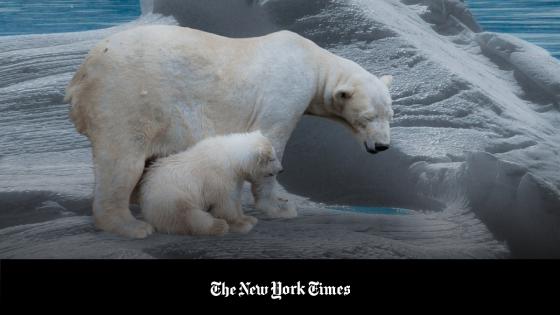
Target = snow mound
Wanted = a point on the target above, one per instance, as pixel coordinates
(446, 13)
(518, 207)
(534, 66)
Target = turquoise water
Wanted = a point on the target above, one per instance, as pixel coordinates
(372, 210)
(19, 17)
(537, 21)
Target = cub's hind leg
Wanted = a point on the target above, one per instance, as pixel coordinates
(190, 221)
(232, 212)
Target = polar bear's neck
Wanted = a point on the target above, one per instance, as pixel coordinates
(332, 71)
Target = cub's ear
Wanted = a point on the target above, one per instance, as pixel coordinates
(387, 80)
(342, 94)
(264, 153)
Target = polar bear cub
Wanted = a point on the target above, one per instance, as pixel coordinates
(198, 191)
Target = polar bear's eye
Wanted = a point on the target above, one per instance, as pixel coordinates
(364, 121)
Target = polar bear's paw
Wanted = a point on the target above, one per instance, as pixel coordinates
(281, 208)
(249, 219)
(129, 227)
(219, 227)
(138, 229)
(243, 225)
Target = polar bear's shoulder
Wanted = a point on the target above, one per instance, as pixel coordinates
(287, 36)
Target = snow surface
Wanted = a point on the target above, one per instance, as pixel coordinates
(317, 233)
(475, 153)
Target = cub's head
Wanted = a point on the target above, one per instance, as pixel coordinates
(363, 103)
(265, 163)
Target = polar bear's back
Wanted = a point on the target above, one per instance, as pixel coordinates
(144, 49)
(158, 67)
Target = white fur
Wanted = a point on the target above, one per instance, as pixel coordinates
(156, 90)
(198, 191)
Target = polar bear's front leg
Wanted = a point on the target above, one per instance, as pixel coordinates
(265, 192)
(116, 175)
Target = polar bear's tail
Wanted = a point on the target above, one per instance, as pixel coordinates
(72, 86)
(77, 116)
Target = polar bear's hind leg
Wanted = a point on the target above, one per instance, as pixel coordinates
(196, 222)
(116, 175)
(232, 213)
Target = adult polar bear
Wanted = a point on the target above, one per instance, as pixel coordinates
(153, 91)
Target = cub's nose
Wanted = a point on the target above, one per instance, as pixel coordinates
(381, 147)
(281, 170)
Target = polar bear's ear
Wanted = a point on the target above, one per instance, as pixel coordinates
(387, 80)
(342, 94)
(264, 153)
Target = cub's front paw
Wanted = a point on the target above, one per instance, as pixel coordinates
(243, 224)
(219, 227)
(249, 219)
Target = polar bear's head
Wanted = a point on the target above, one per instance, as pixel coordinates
(263, 161)
(363, 103)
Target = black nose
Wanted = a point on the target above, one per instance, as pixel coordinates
(280, 171)
(381, 147)
(370, 150)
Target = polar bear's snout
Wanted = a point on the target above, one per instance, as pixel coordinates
(381, 147)
(277, 172)
(376, 136)
(376, 148)
(276, 168)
